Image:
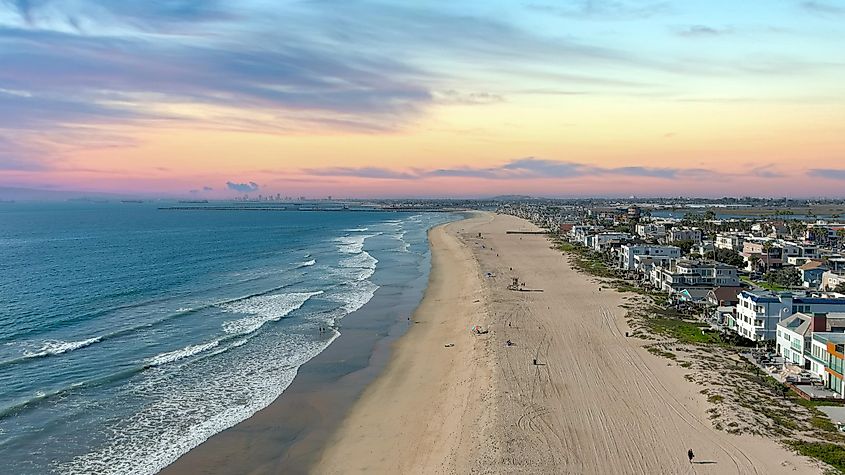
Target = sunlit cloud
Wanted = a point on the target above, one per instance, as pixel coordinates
(242, 187)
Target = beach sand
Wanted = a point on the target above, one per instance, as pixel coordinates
(596, 402)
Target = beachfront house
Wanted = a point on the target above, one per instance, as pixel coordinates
(795, 334)
(693, 274)
(826, 359)
(759, 311)
(658, 254)
(604, 241)
(581, 233)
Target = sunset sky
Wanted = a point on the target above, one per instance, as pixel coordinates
(424, 98)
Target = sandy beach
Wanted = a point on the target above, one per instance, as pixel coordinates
(596, 402)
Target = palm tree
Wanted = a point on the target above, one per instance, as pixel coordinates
(755, 262)
(767, 249)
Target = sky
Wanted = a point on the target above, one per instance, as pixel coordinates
(424, 98)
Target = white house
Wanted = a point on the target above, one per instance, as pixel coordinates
(731, 241)
(602, 241)
(795, 334)
(676, 234)
(651, 230)
(686, 274)
(629, 253)
(759, 312)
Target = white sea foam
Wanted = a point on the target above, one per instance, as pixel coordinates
(358, 267)
(357, 296)
(357, 230)
(176, 355)
(405, 246)
(263, 309)
(57, 347)
(353, 244)
(308, 263)
(182, 416)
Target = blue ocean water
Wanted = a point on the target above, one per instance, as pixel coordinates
(129, 334)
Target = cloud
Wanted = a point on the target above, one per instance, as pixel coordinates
(207, 188)
(703, 31)
(823, 8)
(828, 173)
(766, 171)
(519, 169)
(363, 172)
(602, 9)
(242, 187)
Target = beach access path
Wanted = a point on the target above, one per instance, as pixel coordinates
(595, 403)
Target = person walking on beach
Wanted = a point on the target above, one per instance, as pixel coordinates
(690, 455)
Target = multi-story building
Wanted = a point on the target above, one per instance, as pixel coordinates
(581, 233)
(686, 273)
(831, 280)
(651, 231)
(768, 258)
(812, 273)
(759, 312)
(603, 241)
(659, 254)
(680, 234)
(731, 241)
(795, 334)
(826, 355)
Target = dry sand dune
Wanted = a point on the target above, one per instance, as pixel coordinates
(597, 402)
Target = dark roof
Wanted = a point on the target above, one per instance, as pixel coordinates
(726, 294)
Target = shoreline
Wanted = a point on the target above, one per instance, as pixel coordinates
(290, 433)
(594, 401)
(401, 424)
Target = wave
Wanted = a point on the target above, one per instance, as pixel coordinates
(307, 264)
(263, 308)
(357, 230)
(176, 355)
(353, 244)
(358, 267)
(57, 347)
(187, 415)
(357, 296)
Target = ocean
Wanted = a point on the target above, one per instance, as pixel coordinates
(130, 334)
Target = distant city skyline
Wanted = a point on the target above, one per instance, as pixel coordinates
(370, 99)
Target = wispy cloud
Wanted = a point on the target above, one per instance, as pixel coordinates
(602, 9)
(362, 172)
(698, 31)
(829, 173)
(766, 171)
(242, 187)
(823, 8)
(520, 169)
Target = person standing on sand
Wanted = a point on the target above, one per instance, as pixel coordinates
(690, 455)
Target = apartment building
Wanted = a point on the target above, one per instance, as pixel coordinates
(759, 311)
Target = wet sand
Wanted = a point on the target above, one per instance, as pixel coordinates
(596, 402)
(288, 436)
